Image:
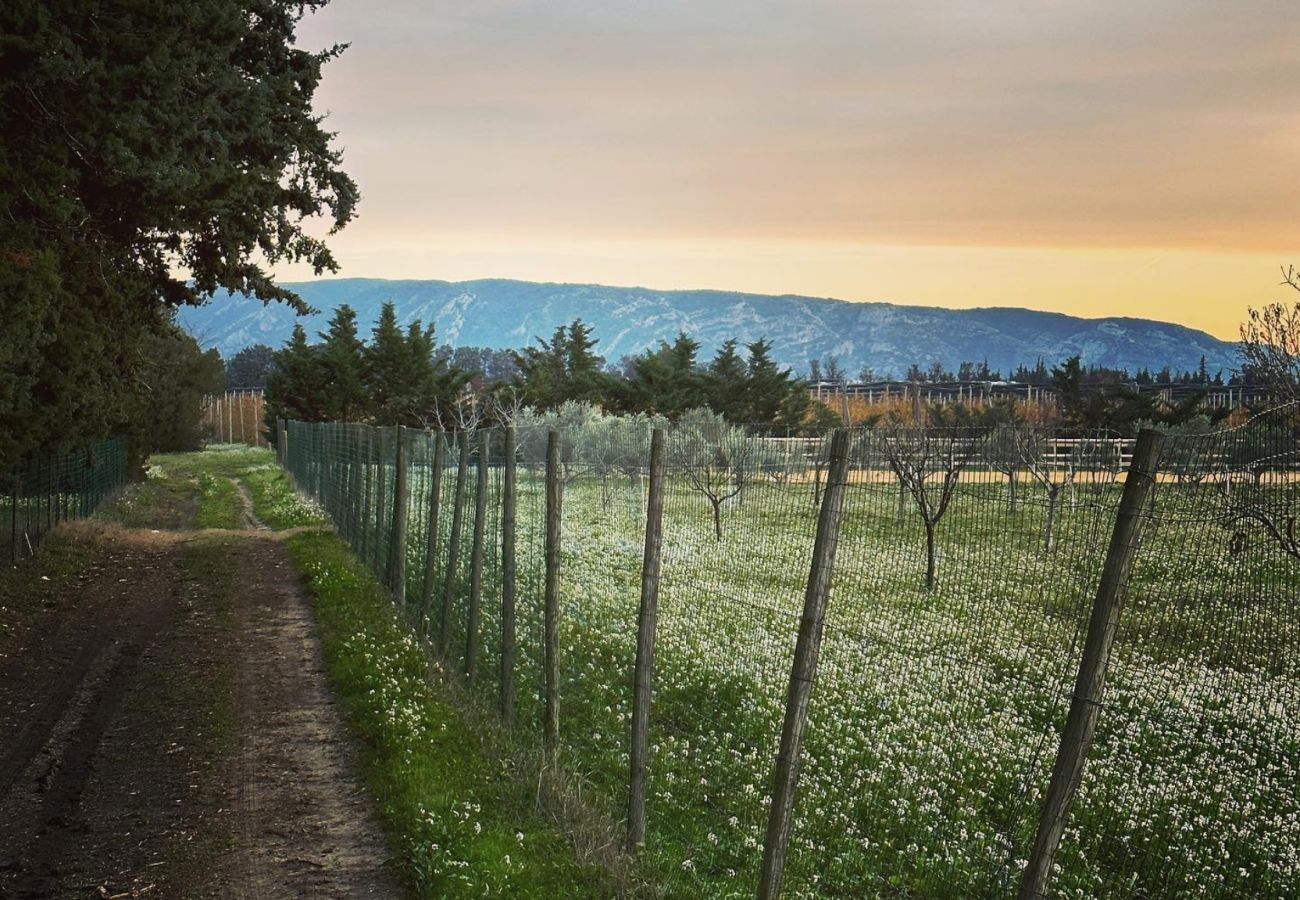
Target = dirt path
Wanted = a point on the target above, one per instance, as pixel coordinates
(166, 731)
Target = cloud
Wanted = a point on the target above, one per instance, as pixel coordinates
(1047, 124)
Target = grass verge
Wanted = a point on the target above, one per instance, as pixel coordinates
(452, 798)
(274, 498)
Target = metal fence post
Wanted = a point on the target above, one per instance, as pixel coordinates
(476, 560)
(508, 500)
(643, 675)
(804, 670)
(1090, 684)
(552, 593)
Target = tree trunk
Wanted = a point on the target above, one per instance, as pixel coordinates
(1049, 530)
(717, 517)
(902, 504)
(1012, 480)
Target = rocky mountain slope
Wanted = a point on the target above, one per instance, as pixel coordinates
(885, 336)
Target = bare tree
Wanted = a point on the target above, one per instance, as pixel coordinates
(507, 405)
(1001, 452)
(928, 464)
(1270, 342)
(715, 456)
(1053, 475)
(1268, 447)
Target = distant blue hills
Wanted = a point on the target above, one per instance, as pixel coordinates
(888, 337)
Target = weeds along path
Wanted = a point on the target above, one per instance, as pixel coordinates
(165, 725)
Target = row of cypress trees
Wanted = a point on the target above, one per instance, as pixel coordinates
(398, 379)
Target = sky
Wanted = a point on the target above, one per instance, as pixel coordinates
(1096, 158)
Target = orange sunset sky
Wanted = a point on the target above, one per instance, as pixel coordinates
(1097, 158)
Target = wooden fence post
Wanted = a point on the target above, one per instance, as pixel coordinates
(453, 544)
(643, 675)
(1090, 684)
(431, 543)
(397, 552)
(367, 473)
(508, 500)
(379, 562)
(804, 671)
(476, 559)
(552, 593)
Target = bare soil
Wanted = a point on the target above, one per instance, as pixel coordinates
(166, 731)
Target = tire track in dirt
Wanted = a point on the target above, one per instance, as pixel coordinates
(249, 512)
(82, 671)
(306, 829)
(101, 789)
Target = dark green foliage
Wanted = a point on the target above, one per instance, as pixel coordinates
(139, 140)
(342, 357)
(772, 395)
(296, 388)
(666, 381)
(248, 369)
(562, 369)
(177, 375)
(669, 381)
(396, 380)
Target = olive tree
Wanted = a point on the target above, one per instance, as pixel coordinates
(928, 463)
(1049, 470)
(716, 457)
(1270, 343)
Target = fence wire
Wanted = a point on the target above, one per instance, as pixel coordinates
(48, 490)
(965, 577)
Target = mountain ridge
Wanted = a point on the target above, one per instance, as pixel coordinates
(888, 337)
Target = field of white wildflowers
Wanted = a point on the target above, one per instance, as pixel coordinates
(935, 714)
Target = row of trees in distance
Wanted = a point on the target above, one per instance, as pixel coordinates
(400, 378)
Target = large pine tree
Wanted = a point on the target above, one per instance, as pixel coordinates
(151, 154)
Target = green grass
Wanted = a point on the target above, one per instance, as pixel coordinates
(219, 505)
(274, 499)
(450, 794)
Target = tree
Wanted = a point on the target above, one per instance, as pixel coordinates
(1266, 445)
(716, 457)
(296, 387)
(928, 464)
(151, 154)
(1001, 452)
(565, 368)
(343, 363)
(177, 376)
(1053, 475)
(1067, 378)
(667, 381)
(1270, 344)
(407, 383)
(724, 382)
(772, 395)
(248, 369)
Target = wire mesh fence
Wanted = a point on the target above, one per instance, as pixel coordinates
(949, 686)
(51, 489)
